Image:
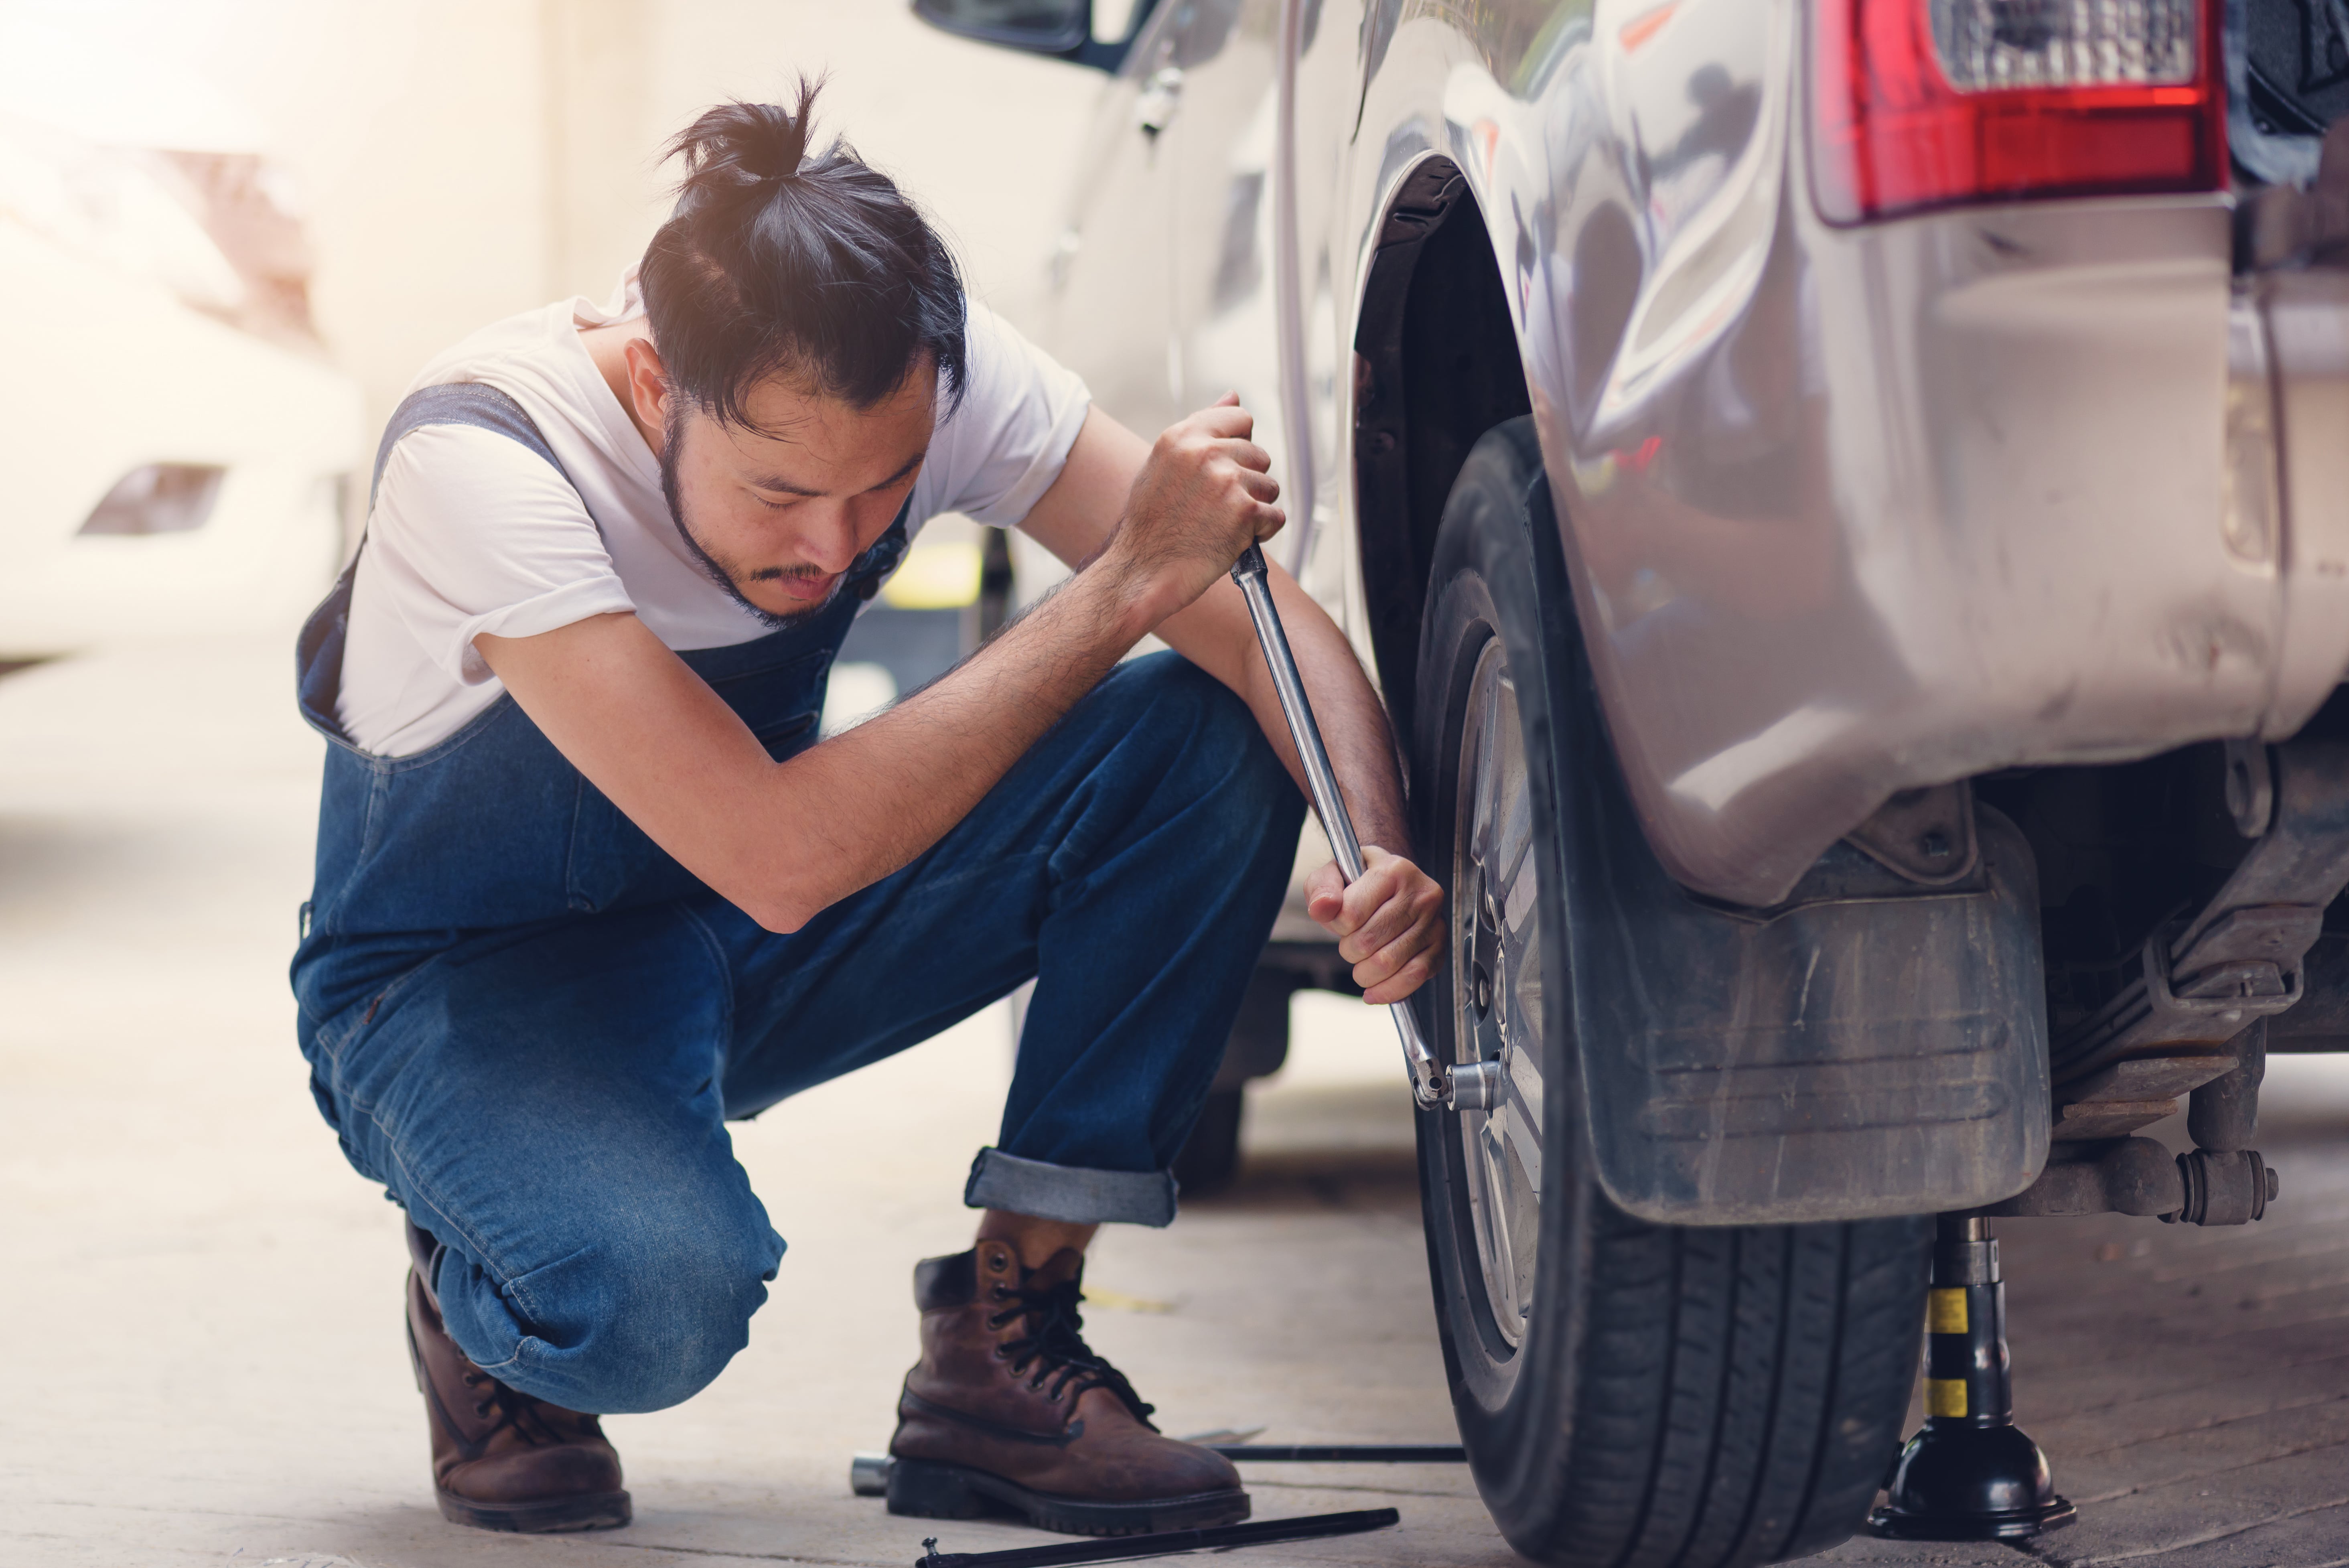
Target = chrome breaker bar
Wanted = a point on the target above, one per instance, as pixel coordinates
(1472, 1086)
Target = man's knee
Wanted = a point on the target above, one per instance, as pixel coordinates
(1211, 734)
(640, 1319)
(680, 1308)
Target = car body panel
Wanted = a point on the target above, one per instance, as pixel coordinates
(114, 371)
(1113, 269)
(162, 323)
(1849, 510)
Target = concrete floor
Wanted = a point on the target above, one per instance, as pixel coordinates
(203, 1358)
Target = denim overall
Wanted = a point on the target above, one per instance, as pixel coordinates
(532, 1024)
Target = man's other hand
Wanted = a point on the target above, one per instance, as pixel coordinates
(1204, 494)
(1389, 924)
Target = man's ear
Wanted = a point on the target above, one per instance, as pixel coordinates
(648, 387)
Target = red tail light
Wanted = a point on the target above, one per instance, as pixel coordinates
(1930, 103)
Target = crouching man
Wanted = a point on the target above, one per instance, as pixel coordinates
(588, 885)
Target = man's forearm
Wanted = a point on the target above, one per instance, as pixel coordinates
(784, 840)
(1388, 921)
(1353, 720)
(1218, 634)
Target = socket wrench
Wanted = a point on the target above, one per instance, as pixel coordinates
(1466, 1086)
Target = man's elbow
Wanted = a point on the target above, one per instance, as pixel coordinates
(779, 894)
(785, 905)
(783, 916)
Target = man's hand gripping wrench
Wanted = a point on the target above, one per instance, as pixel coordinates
(1467, 1086)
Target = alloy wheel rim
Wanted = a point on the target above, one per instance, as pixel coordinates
(1497, 989)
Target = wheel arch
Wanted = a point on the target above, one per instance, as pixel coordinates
(1438, 364)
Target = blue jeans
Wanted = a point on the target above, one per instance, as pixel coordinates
(549, 1102)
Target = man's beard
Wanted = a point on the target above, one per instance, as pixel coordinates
(715, 569)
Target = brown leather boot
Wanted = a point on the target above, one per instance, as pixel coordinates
(501, 1460)
(1009, 1410)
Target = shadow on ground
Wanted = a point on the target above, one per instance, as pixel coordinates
(1321, 1146)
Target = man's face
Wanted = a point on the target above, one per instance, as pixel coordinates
(778, 508)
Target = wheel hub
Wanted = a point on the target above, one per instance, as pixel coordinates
(1496, 945)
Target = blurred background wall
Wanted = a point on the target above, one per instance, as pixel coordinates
(236, 228)
(457, 160)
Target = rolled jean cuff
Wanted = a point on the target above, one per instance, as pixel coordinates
(1072, 1193)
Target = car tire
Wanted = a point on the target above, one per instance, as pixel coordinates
(1629, 1393)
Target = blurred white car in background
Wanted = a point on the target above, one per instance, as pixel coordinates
(177, 449)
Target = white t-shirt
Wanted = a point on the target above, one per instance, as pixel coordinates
(473, 533)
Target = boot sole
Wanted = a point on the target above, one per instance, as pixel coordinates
(930, 1489)
(596, 1510)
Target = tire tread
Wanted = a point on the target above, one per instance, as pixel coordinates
(1713, 1427)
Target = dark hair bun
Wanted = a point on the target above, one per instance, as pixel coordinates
(738, 146)
(808, 263)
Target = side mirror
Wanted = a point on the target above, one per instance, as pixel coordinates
(1062, 29)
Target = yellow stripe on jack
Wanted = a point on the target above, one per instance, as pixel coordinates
(1945, 1395)
(1945, 1312)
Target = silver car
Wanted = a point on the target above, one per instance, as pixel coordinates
(1847, 503)
(169, 288)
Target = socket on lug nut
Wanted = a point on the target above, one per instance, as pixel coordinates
(1475, 1086)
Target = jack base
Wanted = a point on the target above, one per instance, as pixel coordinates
(1967, 1482)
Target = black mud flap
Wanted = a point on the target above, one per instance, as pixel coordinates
(1867, 1048)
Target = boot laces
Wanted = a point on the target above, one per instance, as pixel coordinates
(1054, 1345)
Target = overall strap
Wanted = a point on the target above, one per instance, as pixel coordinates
(318, 654)
(473, 403)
